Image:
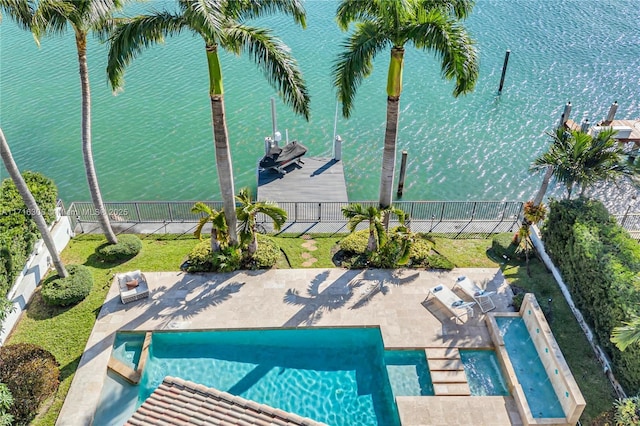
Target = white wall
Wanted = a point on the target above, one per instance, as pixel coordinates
(38, 264)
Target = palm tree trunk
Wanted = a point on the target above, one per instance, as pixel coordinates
(31, 204)
(543, 188)
(394, 88)
(87, 151)
(221, 142)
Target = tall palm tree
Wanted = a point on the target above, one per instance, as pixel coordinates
(32, 206)
(247, 212)
(532, 214)
(430, 25)
(356, 213)
(627, 334)
(219, 229)
(83, 16)
(578, 159)
(221, 24)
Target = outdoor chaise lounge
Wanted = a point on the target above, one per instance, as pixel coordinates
(456, 306)
(133, 286)
(471, 289)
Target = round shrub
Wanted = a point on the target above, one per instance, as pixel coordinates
(128, 245)
(32, 375)
(70, 290)
(355, 242)
(438, 261)
(200, 259)
(503, 245)
(267, 255)
(420, 251)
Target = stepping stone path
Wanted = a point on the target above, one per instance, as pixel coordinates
(310, 245)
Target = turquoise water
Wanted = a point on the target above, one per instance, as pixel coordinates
(483, 373)
(408, 373)
(335, 376)
(529, 369)
(154, 140)
(128, 348)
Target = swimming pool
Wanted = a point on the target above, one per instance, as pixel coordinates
(335, 376)
(408, 372)
(484, 374)
(532, 376)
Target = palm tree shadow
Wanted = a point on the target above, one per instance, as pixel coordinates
(316, 302)
(376, 285)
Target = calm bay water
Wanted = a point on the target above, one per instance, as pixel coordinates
(154, 140)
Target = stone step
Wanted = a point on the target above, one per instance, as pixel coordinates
(445, 364)
(123, 370)
(442, 353)
(448, 376)
(451, 389)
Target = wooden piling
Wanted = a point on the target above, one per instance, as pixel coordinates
(403, 170)
(504, 70)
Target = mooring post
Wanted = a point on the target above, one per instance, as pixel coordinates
(504, 70)
(337, 148)
(565, 115)
(403, 169)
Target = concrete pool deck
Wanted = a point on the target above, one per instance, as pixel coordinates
(393, 300)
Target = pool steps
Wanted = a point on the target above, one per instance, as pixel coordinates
(447, 372)
(124, 370)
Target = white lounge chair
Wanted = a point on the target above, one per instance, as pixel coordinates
(471, 289)
(456, 306)
(133, 286)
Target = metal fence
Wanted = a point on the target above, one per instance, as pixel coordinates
(631, 222)
(424, 216)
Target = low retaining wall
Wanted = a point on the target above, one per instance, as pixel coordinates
(36, 268)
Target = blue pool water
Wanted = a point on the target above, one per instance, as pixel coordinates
(483, 373)
(529, 369)
(128, 347)
(408, 372)
(335, 376)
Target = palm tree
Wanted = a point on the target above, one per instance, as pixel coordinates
(356, 214)
(53, 17)
(578, 159)
(247, 212)
(532, 214)
(32, 206)
(219, 229)
(627, 334)
(430, 25)
(220, 23)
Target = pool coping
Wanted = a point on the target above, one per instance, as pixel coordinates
(179, 301)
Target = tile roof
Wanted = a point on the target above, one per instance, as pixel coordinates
(180, 402)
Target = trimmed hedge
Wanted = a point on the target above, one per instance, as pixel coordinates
(70, 290)
(200, 259)
(18, 232)
(267, 255)
(356, 242)
(600, 264)
(128, 246)
(32, 375)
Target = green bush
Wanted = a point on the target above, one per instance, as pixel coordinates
(18, 232)
(600, 264)
(395, 252)
(517, 301)
(227, 260)
(70, 290)
(267, 255)
(199, 259)
(31, 374)
(420, 251)
(6, 401)
(438, 261)
(128, 246)
(627, 411)
(503, 245)
(355, 242)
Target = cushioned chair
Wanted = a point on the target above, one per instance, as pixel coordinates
(133, 286)
(471, 289)
(456, 306)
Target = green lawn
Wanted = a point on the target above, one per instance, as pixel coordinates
(64, 332)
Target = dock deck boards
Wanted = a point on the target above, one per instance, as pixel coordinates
(317, 180)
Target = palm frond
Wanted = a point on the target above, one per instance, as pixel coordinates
(627, 334)
(20, 11)
(251, 9)
(130, 39)
(204, 16)
(355, 62)
(353, 11)
(274, 58)
(450, 41)
(461, 9)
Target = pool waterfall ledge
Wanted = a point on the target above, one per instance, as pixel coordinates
(559, 375)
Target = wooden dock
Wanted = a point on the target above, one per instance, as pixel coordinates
(317, 180)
